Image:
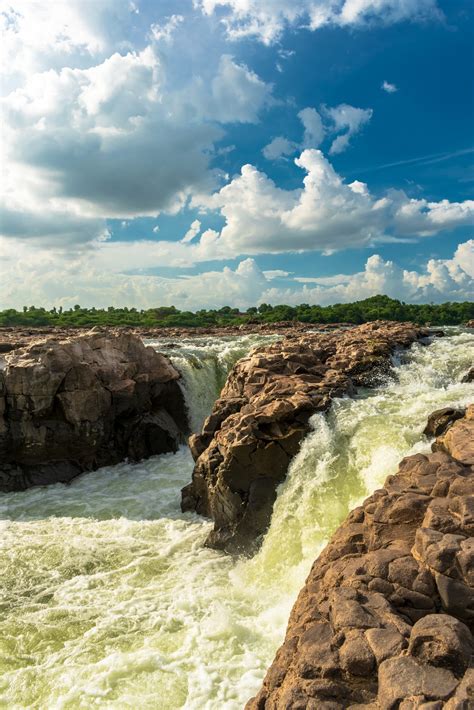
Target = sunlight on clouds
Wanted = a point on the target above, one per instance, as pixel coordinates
(267, 19)
(56, 280)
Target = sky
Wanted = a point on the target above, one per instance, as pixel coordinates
(202, 153)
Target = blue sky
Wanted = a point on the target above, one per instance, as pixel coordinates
(227, 152)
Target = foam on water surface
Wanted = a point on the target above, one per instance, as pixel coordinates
(108, 597)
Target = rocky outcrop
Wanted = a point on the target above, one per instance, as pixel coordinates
(257, 424)
(15, 337)
(469, 376)
(386, 616)
(73, 405)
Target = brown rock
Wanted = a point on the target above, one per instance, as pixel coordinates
(73, 405)
(440, 420)
(263, 413)
(442, 640)
(402, 677)
(389, 623)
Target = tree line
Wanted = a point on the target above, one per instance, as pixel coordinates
(374, 308)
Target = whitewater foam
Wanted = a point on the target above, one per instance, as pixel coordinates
(109, 598)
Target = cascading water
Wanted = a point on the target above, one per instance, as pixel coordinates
(204, 363)
(109, 599)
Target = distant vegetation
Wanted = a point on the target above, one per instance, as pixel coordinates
(358, 312)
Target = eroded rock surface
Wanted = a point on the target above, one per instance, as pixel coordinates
(257, 424)
(87, 401)
(386, 617)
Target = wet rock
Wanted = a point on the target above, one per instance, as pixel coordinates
(440, 420)
(390, 621)
(469, 376)
(257, 424)
(68, 406)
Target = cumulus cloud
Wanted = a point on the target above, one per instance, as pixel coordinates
(80, 279)
(266, 20)
(338, 118)
(164, 32)
(279, 147)
(388, 87)
(115, 141)
(346, 117)
(37, 35)
(314, 130)
(192, 232)
(235, 95)
(326, 214)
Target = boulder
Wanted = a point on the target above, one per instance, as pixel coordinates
(440, 420)
(389, 619)
(256, 426)
(73, 405)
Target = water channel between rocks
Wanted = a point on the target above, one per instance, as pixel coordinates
(109, 599)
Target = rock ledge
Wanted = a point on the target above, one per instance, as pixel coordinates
(263, 413)
(92, 400)
(386, 616)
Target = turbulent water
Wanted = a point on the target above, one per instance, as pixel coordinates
(107, 596)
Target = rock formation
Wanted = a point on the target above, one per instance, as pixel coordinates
(257, 424)
(73, 405)
(386, 616)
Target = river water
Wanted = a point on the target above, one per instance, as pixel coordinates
(108, 598)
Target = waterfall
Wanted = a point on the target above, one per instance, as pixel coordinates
(204, 364)
(109, 598)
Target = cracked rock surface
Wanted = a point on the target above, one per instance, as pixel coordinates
(385, 620)
(73, 405)
(257, 424)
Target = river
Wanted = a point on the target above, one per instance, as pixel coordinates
(108, 597)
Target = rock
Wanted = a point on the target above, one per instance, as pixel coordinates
(440, 420)
(469, 324)
(257, 424)
(389, 619)
(402, 677)
(458, 440)
(444, 641)
(469, 376)
(73, 405)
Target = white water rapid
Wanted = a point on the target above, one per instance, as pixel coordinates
(108, 598)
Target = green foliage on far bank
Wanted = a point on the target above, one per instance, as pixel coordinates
(374, 308)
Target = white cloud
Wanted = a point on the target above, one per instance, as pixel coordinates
(325, 215)
(54, 280)
(115, 140)
(279, 147)
(38, 35)
(266, 20)
(164, 32)
(192, 232)
(234, 95)
(388, 87)
(338, 118)
(314, 130)
(276, 274)
(346, 117)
